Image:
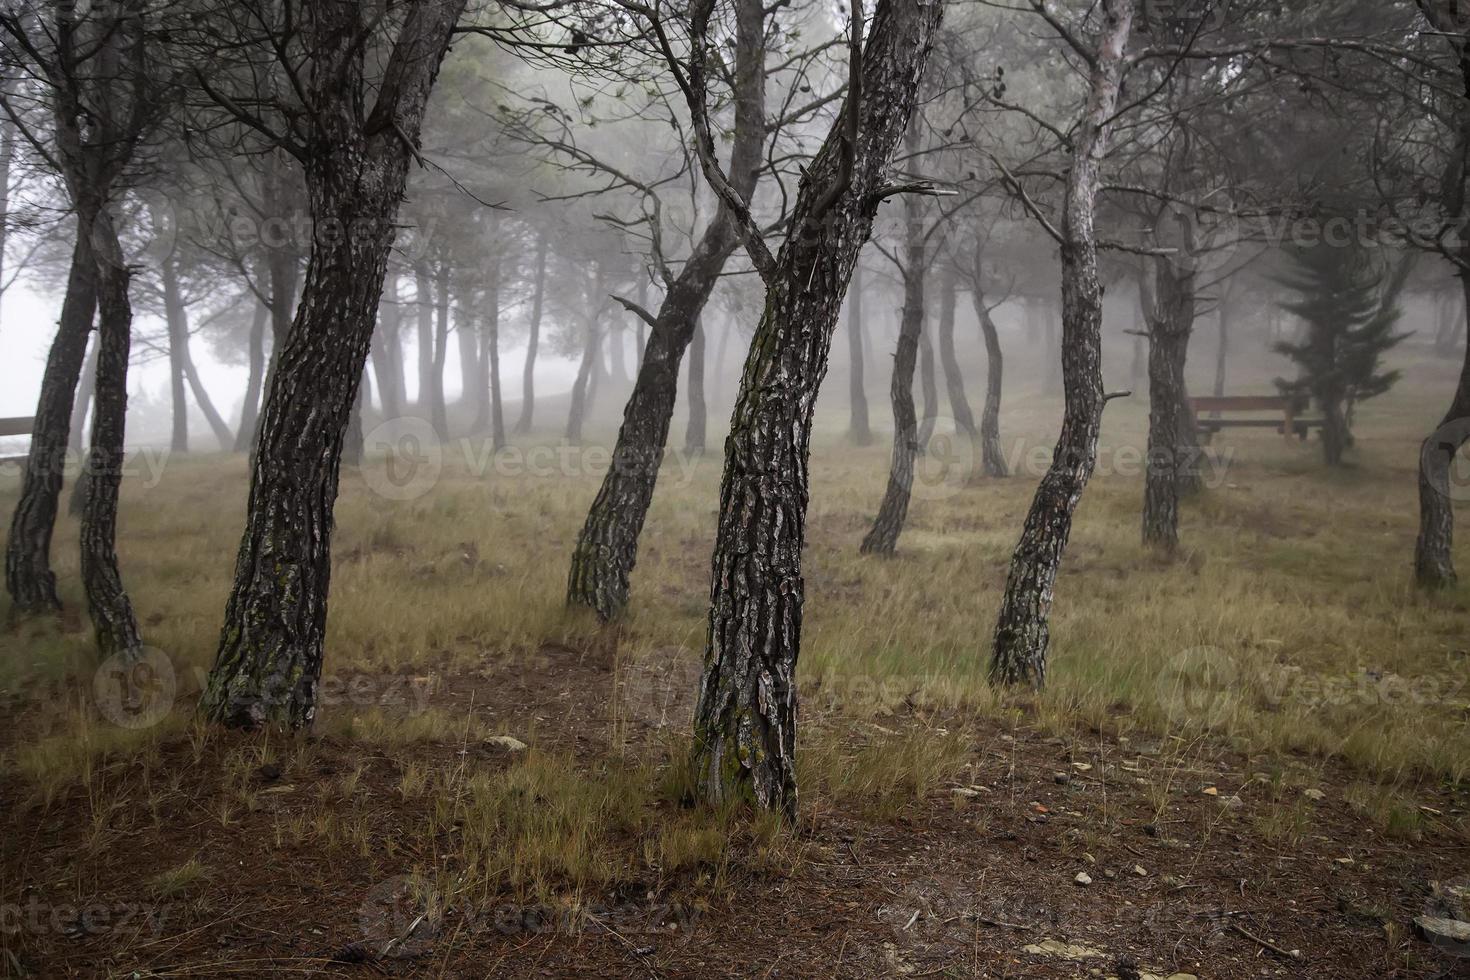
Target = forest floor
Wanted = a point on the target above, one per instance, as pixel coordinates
(1250, 762)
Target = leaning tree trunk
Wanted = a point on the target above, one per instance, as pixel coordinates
(698, 410)
(954, 378)
(113, 621)
(28, 575)
(1434, 561)
(528, 375)
(250, 407)
(178, 333)
(745, 718)
(859, 432)
(217, 425)
(270, 654)
(607, 548)
(1022, 632)
(993, 460)
(882, 537)
(1170, 470)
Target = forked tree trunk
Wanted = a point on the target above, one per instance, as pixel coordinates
(954, 377)
(607, 548)
(882, 537)
(113, 621)
(698, 411)
(270, 653)
(745, 718)
(28, 575)
(1022, 631)
(992, 459)
(250, 406)
(1172, 451)
(528, 375)
(859, 432)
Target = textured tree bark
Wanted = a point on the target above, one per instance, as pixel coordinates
(1434, 562)
(745, 718)
(270, 654)
(1022, 632)
(28, 575)
(992, 459)
(882, 537)
(528, 375)
(178, 332)
(607, 548)
(954, 378)
(698, 410)
(1173, 447)
(859, 432)
(113, 621)
(250, 406)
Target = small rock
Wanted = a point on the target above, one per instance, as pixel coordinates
(1210, 791)
(1139, 870)
(507, 742)
(1151, 830)
(965, 792)
(1315, 795)
(1232, 802)
(1082, 766)
(1061, 779)
(1083, 878)
(1055, 947)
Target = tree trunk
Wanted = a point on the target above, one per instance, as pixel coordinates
(222, 432)
(928, 385)
(250, 407)
(717, 373)
(28, 575)
(745, 718)
(1434, 560)
(178, 333)
(1222, 349)
(581, 386)
(83, 402)
(618, 353)
(387, 352)
(859, 432)
(528, 376)
(491, 357)
(113, 621)
(1170, 470)
(1022, 631)
(882, 537)
(954, 379)
(270, 654)
(607, 548)
(474, 388)
(698, 411)
(438, 409)
(993, 460)
(1054, 370)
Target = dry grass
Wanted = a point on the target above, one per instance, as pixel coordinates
(1289, 627)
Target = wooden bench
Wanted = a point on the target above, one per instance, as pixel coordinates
(1284, 422)
(15, 427)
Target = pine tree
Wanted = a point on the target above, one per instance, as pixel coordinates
(1350, 309)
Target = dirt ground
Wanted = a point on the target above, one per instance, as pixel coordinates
(1241, 874)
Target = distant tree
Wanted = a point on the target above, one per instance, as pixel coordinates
(1349, 310)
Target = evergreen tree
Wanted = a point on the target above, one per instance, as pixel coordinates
(1350, 309)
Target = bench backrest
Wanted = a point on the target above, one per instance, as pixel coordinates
(1241, 403)
(16, 427)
